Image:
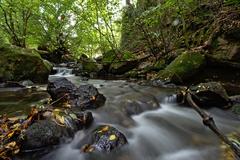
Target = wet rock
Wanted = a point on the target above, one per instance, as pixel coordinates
(26, 83)
(86, 118)
(85, 96)
(104, 139)
(59, 87)
(232, 89)
(182, 68)
(44, 133)
(211, 94)
(48, 132)
(134, 107)
(88, 97)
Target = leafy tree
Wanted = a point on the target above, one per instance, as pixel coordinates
(15, 16)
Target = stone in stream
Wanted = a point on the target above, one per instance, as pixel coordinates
(104, 139)
(84, 96)
(48, 132)
(57, 88)
(211, 94)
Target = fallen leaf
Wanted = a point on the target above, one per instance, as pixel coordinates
(11, 145)
(104, 129)
(112, 137)
(93, 98)
(60, 119)
(10, 134)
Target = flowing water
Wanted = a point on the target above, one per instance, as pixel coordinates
(168, 131)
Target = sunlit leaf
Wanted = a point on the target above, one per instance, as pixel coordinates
(112, 137)
(11, 145)
(104, 129)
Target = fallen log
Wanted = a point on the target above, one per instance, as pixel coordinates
(210, 123)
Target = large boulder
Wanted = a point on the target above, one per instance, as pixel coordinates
(57, 88)
(84, 96)
(48, 132)
(88, 65)
(21, 64)
(182, 68)
(104, 139)
(211, 94)
(44, 133)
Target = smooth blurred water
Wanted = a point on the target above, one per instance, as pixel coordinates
(169, 132)
(165, 131)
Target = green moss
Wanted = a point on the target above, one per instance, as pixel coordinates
(236, 109)
(90, 66)
(161, 64)
(183, 67)
(21, 64)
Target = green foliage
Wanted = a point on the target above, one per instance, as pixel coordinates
(117, 56)
(89, 27)
(232, 2)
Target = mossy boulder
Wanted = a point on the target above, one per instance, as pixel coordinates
(88, 65)
(183, 67)
(21, 64)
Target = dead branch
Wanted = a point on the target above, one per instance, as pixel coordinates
(210, 123)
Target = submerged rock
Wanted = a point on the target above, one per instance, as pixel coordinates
(104, 139)
(21, 64)
(84, 96)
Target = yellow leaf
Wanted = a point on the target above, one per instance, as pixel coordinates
(93, 98)
(112, 137)
(60, 119)
(104, 129)
(9, 135)
(13, 119)
(56, 110)
(11, 145)
(16, 126)
(16, 151)
(91, 149)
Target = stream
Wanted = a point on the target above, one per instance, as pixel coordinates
(168, 131)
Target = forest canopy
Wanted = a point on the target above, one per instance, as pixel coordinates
(80, 26)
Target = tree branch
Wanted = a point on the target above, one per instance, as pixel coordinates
(210, 123)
